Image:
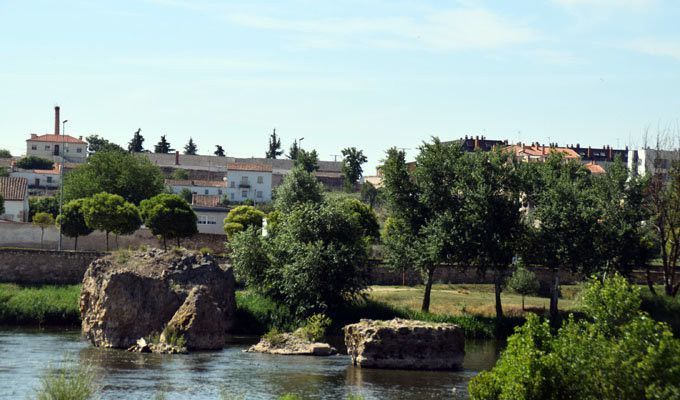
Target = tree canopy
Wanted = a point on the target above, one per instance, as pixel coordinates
(71, 221)
(293, 151)
(95, 144)
(34, 162)
(274, 148)
(111, 213)
(132, 176)
(219, 151)
(308, 160)
(242, 217)
(351, 165)
(4, 153)
(298, 187)
(190, 148)
(163, 146)
(169, 216)
(136, 145)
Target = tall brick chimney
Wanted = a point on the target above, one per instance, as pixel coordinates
(56, 120)
(176, 157)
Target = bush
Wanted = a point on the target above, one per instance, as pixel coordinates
(48, 204)
(33, 162)
(298, 187)
(619, 353)
(66, 384)
(523, 282)
(315, 327)
(242, 217)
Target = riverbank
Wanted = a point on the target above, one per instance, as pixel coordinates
(39, 305)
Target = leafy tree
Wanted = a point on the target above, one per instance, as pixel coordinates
(72, 221)
(163, 146)
(369, 194)
(43, 220)
(132, 176)
(110, 213)
(186, 195)
(308, 160)
(95, 144)
(351, 165)
(34, 162)
(618, 353)
(294, 151)
(190, 148)
(4, 172)
(313, 261)
(523, 282)
(242, 217)
(219, 151)
(136, 144)
(298, 187)
(168, 216)
(274, 149)
(360, 211)
(4, 153)
(180, 174)
(48, 204)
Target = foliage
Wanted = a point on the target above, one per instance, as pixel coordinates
(39, 305)
(294, 151)
(241, 218)
(186, 195)
(307, 160)
(314, 329)
(174, 338)
(163, 146)
(4, 172)
(619, 354)
(132, 176)
(663, 308)
(136, 144)
(219, 151)
(47, 204)
(274, 336)
(190, 148)
(298, 187)
(369, 194)
(43, 220)
(72, 221)
(523, 282)
(274, 148)
(180, 175)
(34, 162)
(362, 213)
(316, 259)
(256, 314)
(168, 216)
(351, 165)
(72, 383)
(111, 213)
(96, 144)
(4, 153)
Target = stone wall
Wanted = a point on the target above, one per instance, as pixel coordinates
(44, 266)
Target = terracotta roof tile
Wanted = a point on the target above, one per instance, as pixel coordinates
(204, 200)
(249, 167)
(56, 139)
(13, 188)
(594, 168)
(541, 151)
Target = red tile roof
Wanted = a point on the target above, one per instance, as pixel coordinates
(594, 168)
(13, 188)
(56, 139)
(205, 200)
(197, 183)
(541, 151)
(249, 167)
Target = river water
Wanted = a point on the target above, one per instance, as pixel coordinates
(26, 354)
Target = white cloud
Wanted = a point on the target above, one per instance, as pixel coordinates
(458, 29)
(657, 47)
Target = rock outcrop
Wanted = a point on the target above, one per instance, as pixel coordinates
(405, 344)
(292, 344)
(128, 296)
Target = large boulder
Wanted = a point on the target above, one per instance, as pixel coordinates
(131, 295)
(291, 344)
(405, 344)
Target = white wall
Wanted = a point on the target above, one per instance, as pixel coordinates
(32, 176)
(16, 211)
(234, 178)
(46, 150)
(205, 190)
(211, 221)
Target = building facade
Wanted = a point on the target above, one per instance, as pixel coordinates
(210, 213)
(15, 193)
(249, 182)
(206, 188)
(40, 181)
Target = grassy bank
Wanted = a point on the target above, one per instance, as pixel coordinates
(39, 305)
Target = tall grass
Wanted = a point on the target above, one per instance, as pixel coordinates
(39, 305)
(66, 384)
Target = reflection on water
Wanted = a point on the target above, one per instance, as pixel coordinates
(122, 375)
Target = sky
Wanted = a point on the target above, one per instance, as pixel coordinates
(370, 74)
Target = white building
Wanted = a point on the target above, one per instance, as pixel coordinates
(210, 214)
(54, 146)
(40, 181)
(249, 181)
(651, 161)
(15, 193)
(212, 188)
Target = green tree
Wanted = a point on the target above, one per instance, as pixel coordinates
(190, 148)
(95, 144)
(163, 146)
(43, 220)
(293, 151)
(136, 145)
(4, 172)
(219, 151)
(186, 195)
(369, 194)
(362, 213)
(48, 204)
(241, 218)
(132, 176)
(4, 153)
(169, 216)
(351, 165)
(523, 282)
(298, 187)
(180, 174)
(71, 221)
(308, 160)
(110, 213)
(34, 162)
(274, 149)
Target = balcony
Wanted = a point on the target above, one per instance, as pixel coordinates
(243, 185)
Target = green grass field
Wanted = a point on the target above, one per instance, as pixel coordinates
(39, 305)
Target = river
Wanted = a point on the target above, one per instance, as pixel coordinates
(26, 354)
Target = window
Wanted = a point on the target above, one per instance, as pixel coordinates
(244, 180)
(219, 191)
(232, 184)
(79, 150)
(37, 181)
(244, 193)
(49, 179)
(206, 191)
(47, 147)
(231, 195)
(259, 194)
(260, 179)
(34, 147)
(201, 220)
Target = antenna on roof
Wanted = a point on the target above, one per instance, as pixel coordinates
(335, 157)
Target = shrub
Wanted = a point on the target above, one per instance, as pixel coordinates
(242, 217)
(205, 250)
(274, 336)
(315, 327)
(66, 384)
(523, 282)
(33, 162)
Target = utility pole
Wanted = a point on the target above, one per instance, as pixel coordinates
(61, 179)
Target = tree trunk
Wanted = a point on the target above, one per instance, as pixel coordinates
(117, 247)
(497, 289)
(523, 309)
(75, 245)
(555, 295)
(428, 290)
(107, 240)
(650, 283)
(42, 234)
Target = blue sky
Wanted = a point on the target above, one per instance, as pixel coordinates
(371, 74)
